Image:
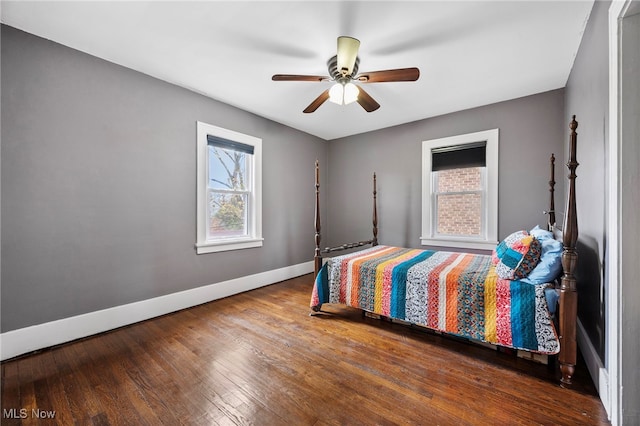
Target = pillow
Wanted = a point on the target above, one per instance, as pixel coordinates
(517, 255)
(550, 265)
(541, 234)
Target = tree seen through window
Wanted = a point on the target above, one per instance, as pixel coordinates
(228, 193)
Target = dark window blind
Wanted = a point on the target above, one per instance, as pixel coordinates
(459, 156)
(227, 144)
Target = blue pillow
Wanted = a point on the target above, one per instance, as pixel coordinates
(550, 265)
(541, 234)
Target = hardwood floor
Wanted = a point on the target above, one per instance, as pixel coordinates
(259, 358)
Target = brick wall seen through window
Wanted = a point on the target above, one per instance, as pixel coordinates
(459, 201)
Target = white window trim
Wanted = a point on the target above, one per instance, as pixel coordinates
(487, 242)
(255, 220)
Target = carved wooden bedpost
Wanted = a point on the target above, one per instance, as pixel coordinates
(374, 242)
(568, 291)
(552, 183)
(317, 258)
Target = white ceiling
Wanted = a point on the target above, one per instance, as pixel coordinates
(469, 53)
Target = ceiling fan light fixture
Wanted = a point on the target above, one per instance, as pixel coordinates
(343, 93)
(336, 94)
(351, 93)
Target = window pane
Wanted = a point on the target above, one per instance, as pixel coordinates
(459, 214)
(460, 180)
(227, 215)
(227, 169)
(459, 202)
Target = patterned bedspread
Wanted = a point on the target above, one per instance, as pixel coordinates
(457, 293)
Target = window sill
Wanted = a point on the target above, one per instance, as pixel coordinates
(211, 247)
(459, 243)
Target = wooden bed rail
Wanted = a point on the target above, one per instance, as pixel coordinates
(317, 258)
(347, 246)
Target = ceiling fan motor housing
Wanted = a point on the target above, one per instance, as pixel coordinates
(335, 73)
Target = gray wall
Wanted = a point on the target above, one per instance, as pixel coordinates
(587, 96)
(531, 129)
(98, 186)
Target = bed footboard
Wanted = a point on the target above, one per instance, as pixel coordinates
(317, 258)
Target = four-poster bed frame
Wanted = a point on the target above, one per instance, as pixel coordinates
(568, 297)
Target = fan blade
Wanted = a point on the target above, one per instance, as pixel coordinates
(317, 102)
(366, 101)
(294, 77)
(347, 54)
(400, 74)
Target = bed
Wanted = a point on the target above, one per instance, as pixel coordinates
(508, 298)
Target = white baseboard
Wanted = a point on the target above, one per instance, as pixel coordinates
(597, 371)
(40, 336)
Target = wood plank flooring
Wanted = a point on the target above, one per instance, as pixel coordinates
(259, 358)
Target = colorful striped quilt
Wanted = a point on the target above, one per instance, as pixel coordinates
(456, 293)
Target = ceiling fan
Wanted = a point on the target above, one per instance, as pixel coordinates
(343, 69)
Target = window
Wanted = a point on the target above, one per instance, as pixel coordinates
(229, 190)
(460, 191)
